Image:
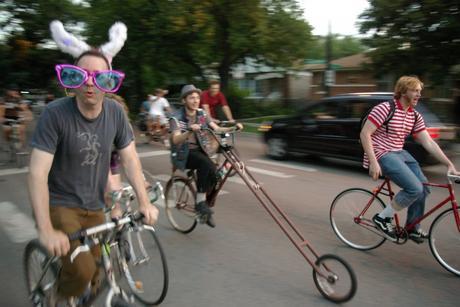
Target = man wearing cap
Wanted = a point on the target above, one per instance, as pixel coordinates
(188, 146)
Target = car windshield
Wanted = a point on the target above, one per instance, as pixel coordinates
(428, 116)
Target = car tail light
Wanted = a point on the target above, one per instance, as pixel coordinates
(434, 132)
(264, 127)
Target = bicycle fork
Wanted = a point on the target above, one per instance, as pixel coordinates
(130, 254)
(38, 290)
(115, 290)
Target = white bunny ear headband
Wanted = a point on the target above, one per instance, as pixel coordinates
(70, 44)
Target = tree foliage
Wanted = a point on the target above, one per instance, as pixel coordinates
(169, 41)
(342, 46)
(415, 37)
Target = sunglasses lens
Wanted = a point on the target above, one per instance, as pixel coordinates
(108, 81)
(71, 77)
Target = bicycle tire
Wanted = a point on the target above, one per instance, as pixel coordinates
(444, 239)
(330, 265)
(34, 259)
(180, 204)
(144, 265)
(359, 234)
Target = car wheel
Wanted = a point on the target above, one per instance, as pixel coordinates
(277, 148)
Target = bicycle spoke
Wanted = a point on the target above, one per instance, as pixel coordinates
(334, 278)
(445, 241)
(351, 223)
(144, 265)
(180, 204)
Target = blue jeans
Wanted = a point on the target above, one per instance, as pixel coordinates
(405, 171)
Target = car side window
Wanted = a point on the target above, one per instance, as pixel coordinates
(324, 110)
(358, 108)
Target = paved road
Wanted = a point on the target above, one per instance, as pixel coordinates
(246, 260)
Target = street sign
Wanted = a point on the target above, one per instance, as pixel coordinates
(329, 77)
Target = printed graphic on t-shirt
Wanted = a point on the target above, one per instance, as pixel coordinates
(91, 149)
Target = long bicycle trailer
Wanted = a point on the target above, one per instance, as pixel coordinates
(325, 268)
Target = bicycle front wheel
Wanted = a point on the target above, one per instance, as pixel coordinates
(352, 223)
(445, 241)
(334, 278)
(41, 272)
(144, 265)
(180, 204)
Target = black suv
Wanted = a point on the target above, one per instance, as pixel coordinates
(330, 127)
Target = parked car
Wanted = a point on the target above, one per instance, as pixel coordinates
(330, 128)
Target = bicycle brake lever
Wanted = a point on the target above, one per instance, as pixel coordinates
(77, 251)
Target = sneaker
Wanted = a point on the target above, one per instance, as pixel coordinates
(210, 221)
(205, 214)
(418, 235)
(385, 226)
(202, 208)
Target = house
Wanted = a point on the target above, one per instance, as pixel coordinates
(271, 83)
(348, 74)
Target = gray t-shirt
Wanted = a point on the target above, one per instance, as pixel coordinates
(81, 149)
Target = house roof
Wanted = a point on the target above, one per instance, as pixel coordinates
(345, 63)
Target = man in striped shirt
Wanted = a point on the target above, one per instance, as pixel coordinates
(384, 155)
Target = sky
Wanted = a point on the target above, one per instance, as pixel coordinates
(342, 14)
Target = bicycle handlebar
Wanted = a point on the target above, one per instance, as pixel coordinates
(225, 123)
(454, 178)
(14, 121)
(85, 234)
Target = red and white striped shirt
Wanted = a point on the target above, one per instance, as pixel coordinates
(399, 127)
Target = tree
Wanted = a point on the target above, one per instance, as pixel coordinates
(25, 29)
(342, 46)
(179, 40)
(413, 37)
(186, 39)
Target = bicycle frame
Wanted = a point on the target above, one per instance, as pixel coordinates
(283, 221)
(324, 267)
(386, 186)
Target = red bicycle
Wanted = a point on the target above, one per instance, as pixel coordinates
(351, 219)
(333, 276)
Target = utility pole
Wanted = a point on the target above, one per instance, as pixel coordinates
(329, 73)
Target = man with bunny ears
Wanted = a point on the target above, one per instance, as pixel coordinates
(70, 159)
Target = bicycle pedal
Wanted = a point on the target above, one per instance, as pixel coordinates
(202, 218)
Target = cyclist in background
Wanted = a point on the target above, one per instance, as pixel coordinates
(69, 163)
(212, 98)
(159, 109)
(189, 146)
(384, 155)
(13, 108)
(114, 181)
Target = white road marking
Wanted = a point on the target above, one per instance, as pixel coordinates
(270, 173)
(13, 171)
(236, 179)
(153, 153)
(161, 177)
(286, 165)
(19, 227)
